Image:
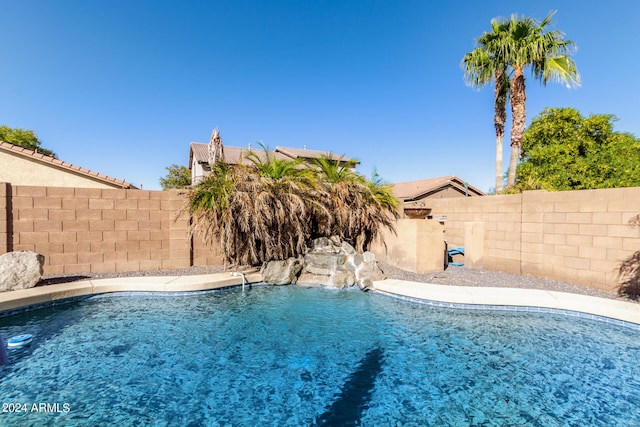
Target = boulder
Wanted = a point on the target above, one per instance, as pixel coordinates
(20, 270)
(342, 278)
(367, 274)
(365, 269)
(325, 245)
(328, 262)
(368, 257)
(323, 263)
(338, 279)
(347, 248)
(334, 263)
(310, 279)
(282, 272)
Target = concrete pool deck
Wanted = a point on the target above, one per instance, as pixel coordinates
(513, 297)
(447, 294)
(44, 294)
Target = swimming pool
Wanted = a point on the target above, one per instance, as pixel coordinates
(295, 356)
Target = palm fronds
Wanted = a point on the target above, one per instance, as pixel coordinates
(271, 208)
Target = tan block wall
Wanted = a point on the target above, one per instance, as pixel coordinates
(81, 230)
(204, 255)
(5, 217)
(581, 237)
(417, 245)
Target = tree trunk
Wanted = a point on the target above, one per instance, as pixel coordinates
(499, 119)
(499, 163)
(519, 115)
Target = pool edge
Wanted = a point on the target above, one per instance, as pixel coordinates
(512, 297)
(13, 300)
(447, 294)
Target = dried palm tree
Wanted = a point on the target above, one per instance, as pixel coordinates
(270, 208)
(279, 193)
(359, 207)
(208, 203)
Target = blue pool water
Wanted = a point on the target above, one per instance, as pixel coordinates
(278, 356)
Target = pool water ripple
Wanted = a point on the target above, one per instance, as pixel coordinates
(293, 356)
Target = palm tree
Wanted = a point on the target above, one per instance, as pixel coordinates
(380, 210)
(547, 53)
(359, 207)
(269, 209)
(208, 206)
(254, 213)
(483, 65)
(279, 207)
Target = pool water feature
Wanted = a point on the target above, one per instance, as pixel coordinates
(296, 356)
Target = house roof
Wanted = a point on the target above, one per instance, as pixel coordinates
(59, 164)
(235, 155)
(232, 155)
(413, 190)
(304, 153)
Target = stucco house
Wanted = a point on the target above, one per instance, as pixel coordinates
(415, 195)
(199, 155)
(20, 166)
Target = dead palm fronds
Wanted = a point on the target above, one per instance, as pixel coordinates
(359, 207)
(269, 209)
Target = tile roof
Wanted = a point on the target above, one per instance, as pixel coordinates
(235, 155)
(52, 161)
(305, 153)
(232, 155)
(417, 189)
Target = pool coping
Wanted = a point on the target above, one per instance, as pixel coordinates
(41, 295)
(454, 296)
(515, 298)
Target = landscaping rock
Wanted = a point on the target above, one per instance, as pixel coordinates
(324, 245)
(347, 248)
(323, 263)
(20, 270)
(340, 279)
(282, 272)
(368, 272)
(311, 280)
(365, 269)
(329, 262)
(335, 263)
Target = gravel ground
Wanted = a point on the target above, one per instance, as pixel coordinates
(462, 276)
(453, 276)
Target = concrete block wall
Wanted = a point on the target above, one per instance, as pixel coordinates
(500, 217)
(581, 237)
(417, 245)
(204, 255)
(82, 230)
(5, 218)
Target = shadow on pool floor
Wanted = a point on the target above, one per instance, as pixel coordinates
(355, 395)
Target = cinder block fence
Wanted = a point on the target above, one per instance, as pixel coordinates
(82, 230)
(583, 237)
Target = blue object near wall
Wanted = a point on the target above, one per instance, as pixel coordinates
(455, 251)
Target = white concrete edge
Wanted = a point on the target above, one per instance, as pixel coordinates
(621, 310)
(44, 294)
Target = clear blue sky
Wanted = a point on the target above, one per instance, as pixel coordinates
(123, 86)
